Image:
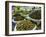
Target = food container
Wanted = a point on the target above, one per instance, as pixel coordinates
(34, 20)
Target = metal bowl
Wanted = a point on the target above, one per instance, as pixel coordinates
(34, 20)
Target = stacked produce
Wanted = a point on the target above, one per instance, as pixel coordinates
(25, 25)
(36, 14)
(20, 12)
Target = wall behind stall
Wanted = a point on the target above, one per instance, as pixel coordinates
(2, 18)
